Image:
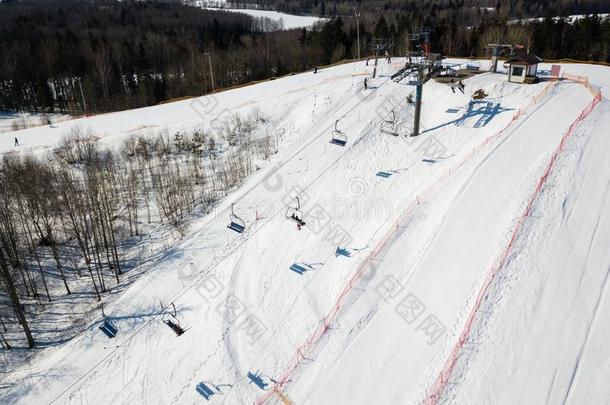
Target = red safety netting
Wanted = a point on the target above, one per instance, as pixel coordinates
(441, 381)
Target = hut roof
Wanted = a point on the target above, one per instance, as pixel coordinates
(526, 58)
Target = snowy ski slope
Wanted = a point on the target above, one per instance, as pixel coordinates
(393, 264)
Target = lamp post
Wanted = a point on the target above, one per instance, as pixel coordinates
(418, 96)
(357, 14)
(211, 69)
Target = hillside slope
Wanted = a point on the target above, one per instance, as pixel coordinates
(432, 224)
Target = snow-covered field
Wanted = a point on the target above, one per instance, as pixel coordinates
(570, 18)
(288, 21)
(419, 221)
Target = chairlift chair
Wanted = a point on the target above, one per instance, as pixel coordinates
(175, 324)
(338, 137)
(389, 126)
(108, 327)
(178, 330)
(237, 224)
(295, 214)
(473, 65)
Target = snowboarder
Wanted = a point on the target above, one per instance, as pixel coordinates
(16, 142)
(315, 70)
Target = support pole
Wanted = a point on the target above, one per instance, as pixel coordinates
(357, 29)
(82, 95)
(211, 69)
(418, 97)
(494, 60)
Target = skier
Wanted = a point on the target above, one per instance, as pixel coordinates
(297, 220)
(16, 142)
(315, 70)
(366, 86)
(459, 86)
(175, 327)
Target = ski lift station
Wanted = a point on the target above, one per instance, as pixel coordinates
(523, 68)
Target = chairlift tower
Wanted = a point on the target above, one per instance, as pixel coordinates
(419, 89)
(498, 50)
(422, 38)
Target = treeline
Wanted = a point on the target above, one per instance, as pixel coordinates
(587, 38)
(70, 218)
(465, 27)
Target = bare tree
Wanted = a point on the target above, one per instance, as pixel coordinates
(14, 297)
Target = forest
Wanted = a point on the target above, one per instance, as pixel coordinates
(74, 220)
(86, 57)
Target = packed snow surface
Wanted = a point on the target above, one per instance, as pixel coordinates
(542, 339)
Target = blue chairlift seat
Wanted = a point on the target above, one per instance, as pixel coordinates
(257, 380)
(234, 226)
(338, 142)
(204, 390)
(109, 329)
(236, 223)
(338, 138)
